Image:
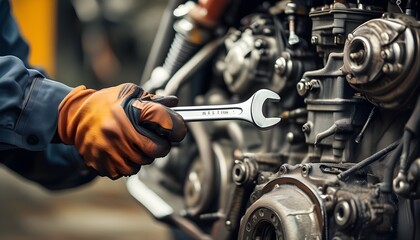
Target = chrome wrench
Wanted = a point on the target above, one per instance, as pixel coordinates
(251, 110)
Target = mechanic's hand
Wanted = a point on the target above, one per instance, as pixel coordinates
(118, 129)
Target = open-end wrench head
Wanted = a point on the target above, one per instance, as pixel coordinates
(258, 100)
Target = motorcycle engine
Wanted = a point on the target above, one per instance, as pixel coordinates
(343, 162)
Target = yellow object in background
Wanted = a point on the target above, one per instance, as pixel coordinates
(37, 23)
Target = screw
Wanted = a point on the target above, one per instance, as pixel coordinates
(349, 77)
(283, 169)
(260, 43)
(313, 85)
(261, 179)
(280, 66)
(306, 128)
(388, 68)
(386, 54)
(301, 87)
(305, 170)
(314, 40)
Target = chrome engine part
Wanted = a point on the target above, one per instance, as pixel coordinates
(343, 163)
(378, 60)
(306, 201)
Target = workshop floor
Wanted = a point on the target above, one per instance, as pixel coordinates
(101, 210)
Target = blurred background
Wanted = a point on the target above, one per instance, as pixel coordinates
(97, 43)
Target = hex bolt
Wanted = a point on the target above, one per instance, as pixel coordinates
(283, 169)
(260, 43)
(388, 68)
(313, 85)
(280, 66)
(261, 179)
(239, 172)
(343, 214)
(314, 40)
(306, 128)
(385, 54)
(301, 87)
(349, 77)
(306, 170)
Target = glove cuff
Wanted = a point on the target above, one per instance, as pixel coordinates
(68, 111)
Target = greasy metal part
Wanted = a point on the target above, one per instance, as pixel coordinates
(205, 156)
(366, 162)
(343, 214)
(378, 60)
(233, 214)
(250, 110)
(335, 113)
(290, 12)
(284, 208)
(162, 40)
(332, 23)
(192, 66)
(342, 151)
(296, 113)
(188, 39)
(194, 182)
(401, 184)
(326, 209)
(250, 55)
(281, 216)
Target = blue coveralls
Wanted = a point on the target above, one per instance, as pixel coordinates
(29, 102)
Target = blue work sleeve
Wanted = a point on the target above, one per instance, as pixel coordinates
(28, 105)
(28, 123)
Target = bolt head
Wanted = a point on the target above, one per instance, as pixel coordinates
(314, 39)
(301, 88)
(306, 128)
(281, 65)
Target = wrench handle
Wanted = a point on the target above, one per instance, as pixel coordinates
(207, 113)
(251, 110)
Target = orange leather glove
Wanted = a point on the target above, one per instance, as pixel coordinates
(118, 129)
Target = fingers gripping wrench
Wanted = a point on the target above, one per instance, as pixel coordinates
(251, 110)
